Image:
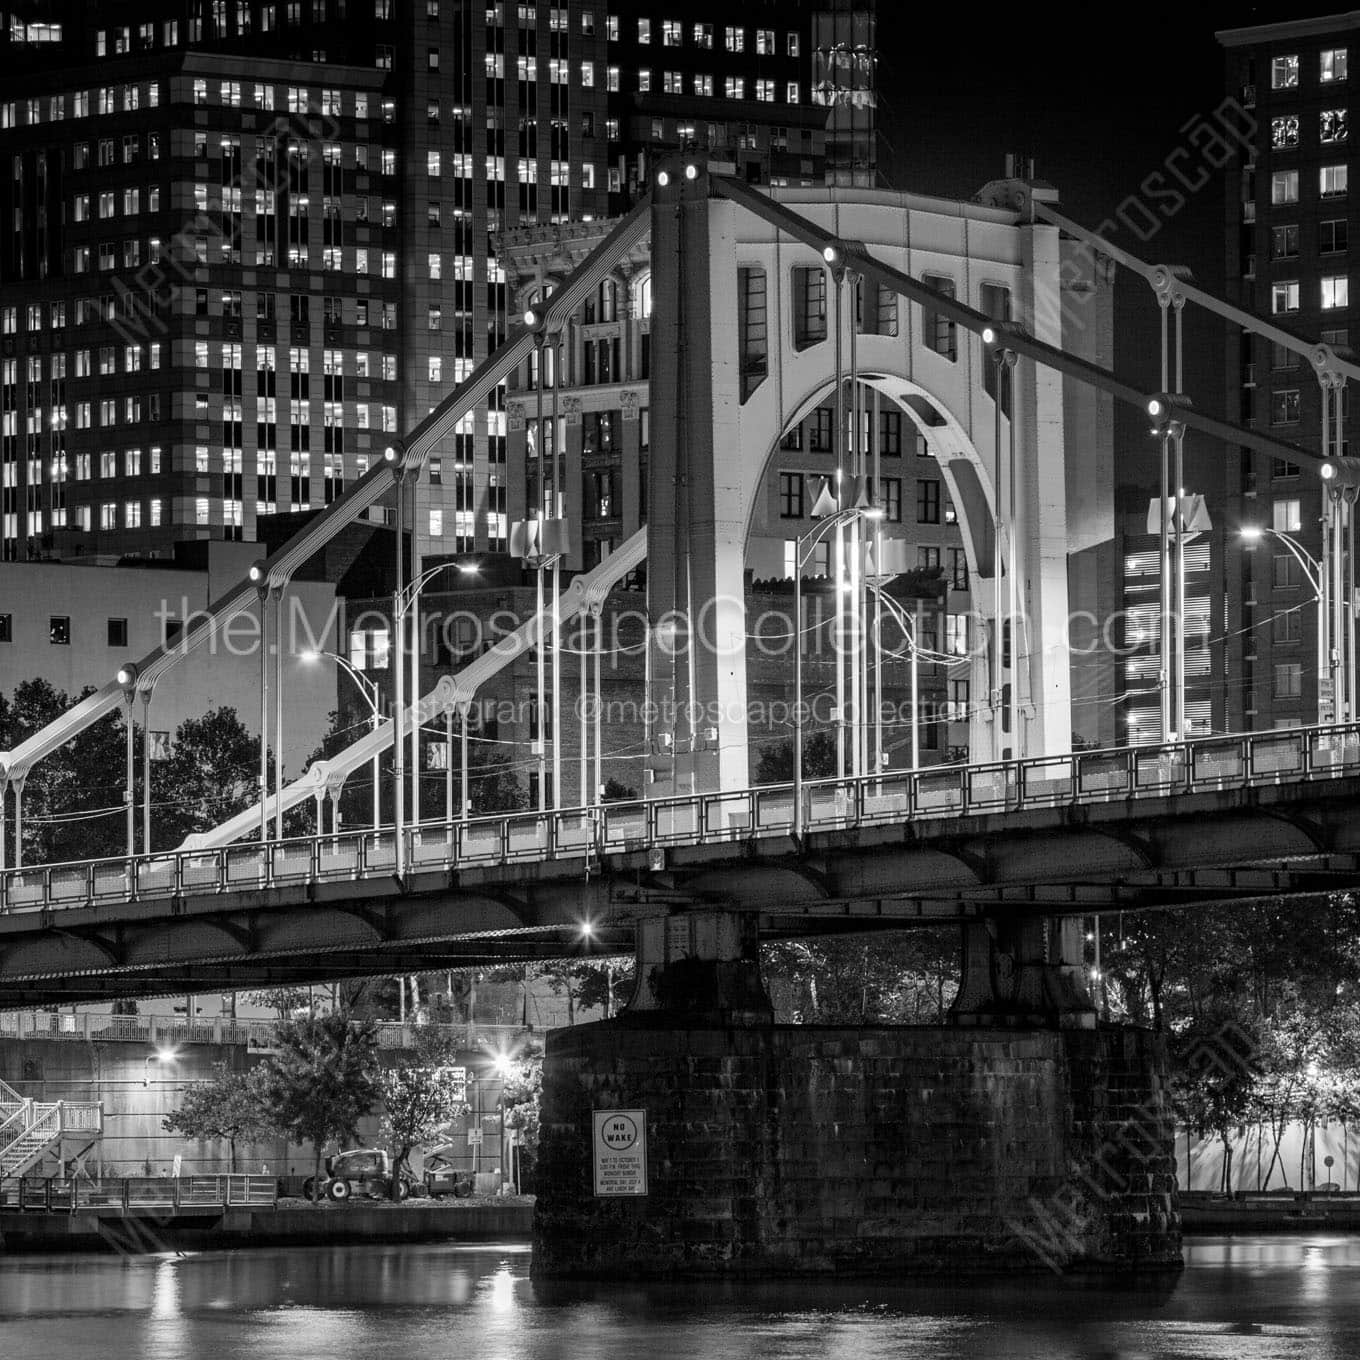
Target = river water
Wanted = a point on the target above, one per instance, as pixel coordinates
(1241, 1298)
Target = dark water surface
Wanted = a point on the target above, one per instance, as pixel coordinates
(1241, 1298)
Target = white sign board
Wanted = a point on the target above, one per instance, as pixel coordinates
(620, 1145)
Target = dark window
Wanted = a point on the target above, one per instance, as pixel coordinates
(793, 439)
(819, 431)
(809, 306)
(927, 559)
(892, 499)
(1332, 235)
(1285, 572)
(1282, 467)
(890, 434)
(1284, 242)
(6, 628)
(958, 569)
(927, 502)
(118, 632)
(1287, 627)
(939, 331)
(59, 630)
(752, 335)
(791, 495)
(1284, 406)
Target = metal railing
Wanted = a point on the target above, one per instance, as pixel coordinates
(257, 1034)
(942, 791)
(52, 1194)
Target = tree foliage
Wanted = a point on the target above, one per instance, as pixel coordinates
(232, 1107)
(321, 1079)
(422, 1095)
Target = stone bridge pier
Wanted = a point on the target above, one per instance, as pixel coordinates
(1026, 1137)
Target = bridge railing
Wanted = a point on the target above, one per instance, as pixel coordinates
(1109, 775)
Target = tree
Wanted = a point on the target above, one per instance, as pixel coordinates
(819, 760)
(283, 1001)
(421, 1096)
(321, 1079)
(212, 774)
(230, 1107)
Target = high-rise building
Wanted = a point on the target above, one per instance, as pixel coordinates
(1288, 249)
(248, 241)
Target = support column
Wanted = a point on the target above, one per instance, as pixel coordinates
(695, 586)
(1023, 972)
(702, 966)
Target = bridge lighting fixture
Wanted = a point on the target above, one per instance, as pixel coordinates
(587, 930)
(533, 320)
(663, 178)
(257, 573)
(469, 569)
(127, 676)
(833, 254)
(1162, 408)
(1250, 533)
(691, 171)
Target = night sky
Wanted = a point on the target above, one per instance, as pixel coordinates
(1098, 96)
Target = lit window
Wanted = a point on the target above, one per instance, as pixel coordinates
(434, 264)
(644, 30)
(1332, 65)
(1284, 72)
(670, 33)
(1333, 126)
(1284, 296)
(703, 85)
(1284, 186)
(1333, 180)
(432, 164)
(1284, 132)
(1286, 516)
(735, 39)
(1335, 291)
(735, 87)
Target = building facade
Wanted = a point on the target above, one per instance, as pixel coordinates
(1288, 252)
(251, 240)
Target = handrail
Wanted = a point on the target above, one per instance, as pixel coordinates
(937, 791)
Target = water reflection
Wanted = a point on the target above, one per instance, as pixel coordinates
(1242, 1299)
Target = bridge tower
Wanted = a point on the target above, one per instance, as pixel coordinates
(758, 327)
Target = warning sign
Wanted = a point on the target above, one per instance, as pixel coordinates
(620, 1152)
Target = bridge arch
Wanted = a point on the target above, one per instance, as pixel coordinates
(760, 332)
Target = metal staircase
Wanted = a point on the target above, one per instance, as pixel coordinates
(30, 1129)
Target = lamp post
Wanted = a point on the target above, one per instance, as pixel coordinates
(824, 510)
(1252, 534)
(908, 627)
(369, 690)
(540, 544)
(1341, 480)
(127, 677)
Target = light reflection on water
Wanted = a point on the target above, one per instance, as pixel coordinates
(1239, 1298)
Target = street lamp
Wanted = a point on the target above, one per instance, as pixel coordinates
(127, 678)
(828, 517)
(908, 626)
(408, 602)
(540, 544)
(369, 690)
(1251, 534)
